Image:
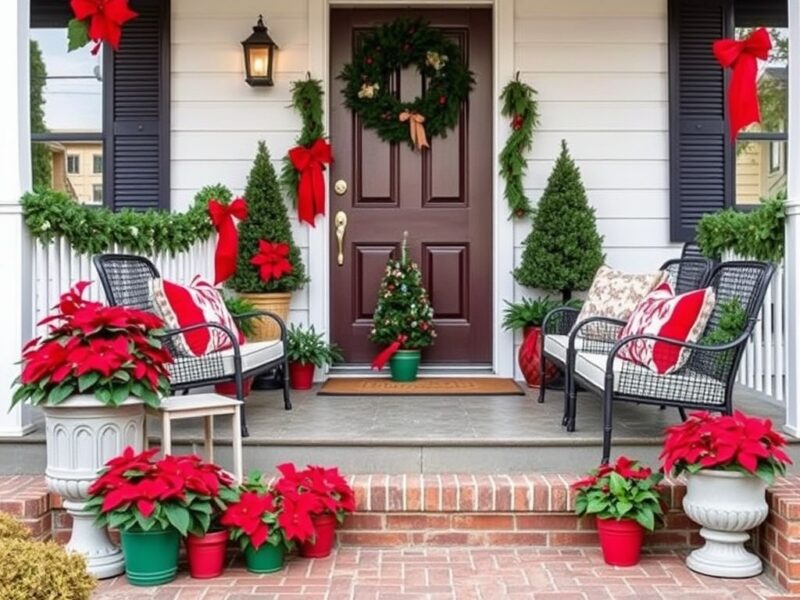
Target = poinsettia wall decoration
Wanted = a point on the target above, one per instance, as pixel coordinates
(272, 260)
(98, 21)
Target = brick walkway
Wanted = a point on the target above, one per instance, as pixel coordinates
(457, 573)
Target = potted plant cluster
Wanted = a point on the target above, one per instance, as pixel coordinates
(403, 318)
(155, 503)
(528, 316)
(728, 461)
(306, 351)
(625, 500)
(92, 373)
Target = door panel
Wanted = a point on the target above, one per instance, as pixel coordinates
(442, 197)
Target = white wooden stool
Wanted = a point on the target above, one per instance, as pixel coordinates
(205, 406)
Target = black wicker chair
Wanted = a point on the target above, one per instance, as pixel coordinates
(685, 274)
(126, 282)
(707, 380)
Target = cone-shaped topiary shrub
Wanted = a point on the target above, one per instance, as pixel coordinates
(563, 251)
(267, 220)
(10, 528)
(42, 571)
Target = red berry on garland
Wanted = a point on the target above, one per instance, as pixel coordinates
(443, 100)
(518, 122)
(368, 60)
(406, 47)
(519, 212)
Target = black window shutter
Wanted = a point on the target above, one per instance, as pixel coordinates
(701, 151)
(136, 114)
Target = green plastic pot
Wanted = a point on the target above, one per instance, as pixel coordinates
(404, 365)
(267, 559)
(151, 557)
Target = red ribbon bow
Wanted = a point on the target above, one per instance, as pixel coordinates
(383, 357)
(227, 235)
(107, 18)
(272, 260)
(311, 186)
(741, 56)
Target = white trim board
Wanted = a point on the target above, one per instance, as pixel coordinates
(503, 228)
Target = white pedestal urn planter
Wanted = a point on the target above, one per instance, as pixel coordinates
(82, 435)
(727, 504)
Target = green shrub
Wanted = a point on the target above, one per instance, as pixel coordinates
(12, 529)
(42, 571)
(307, 346)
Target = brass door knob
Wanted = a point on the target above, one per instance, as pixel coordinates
(340, 187)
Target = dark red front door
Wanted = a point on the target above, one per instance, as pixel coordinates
(442, 197)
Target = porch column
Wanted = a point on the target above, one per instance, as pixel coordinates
(15, 178)
(792, 258)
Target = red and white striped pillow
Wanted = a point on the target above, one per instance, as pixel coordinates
(199, 302)
(664, 314)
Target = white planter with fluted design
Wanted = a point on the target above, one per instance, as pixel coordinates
(82, 435)
(727, 505)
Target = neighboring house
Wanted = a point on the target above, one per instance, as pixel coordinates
(78, 170)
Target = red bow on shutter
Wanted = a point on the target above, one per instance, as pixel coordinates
(741, 56)
(311, 187)
(227, 235)
(387, 353)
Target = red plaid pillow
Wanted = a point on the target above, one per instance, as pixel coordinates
(664, 314)
(199, 302)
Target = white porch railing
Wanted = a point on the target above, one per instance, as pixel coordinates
(56, 267)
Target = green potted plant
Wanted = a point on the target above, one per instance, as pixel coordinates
(248, 326)
(528, 316)
(307, 350)
(403, 318)
(269, 267)
(625, 500)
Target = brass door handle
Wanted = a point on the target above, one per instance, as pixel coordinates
(341, 225)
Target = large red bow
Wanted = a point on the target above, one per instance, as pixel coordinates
(227, 235)
(383, 357)
(741, 56)
(272, 260)
(311, 186)
(107, 18)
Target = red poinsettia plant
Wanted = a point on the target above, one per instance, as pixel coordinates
(136, 492)
(317, 490)
(734, 442)
(625, 490)
(99, 21)
(112, 352)
(272, 260)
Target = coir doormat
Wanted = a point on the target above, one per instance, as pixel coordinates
(425, 386)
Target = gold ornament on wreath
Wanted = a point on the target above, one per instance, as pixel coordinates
(385, 51)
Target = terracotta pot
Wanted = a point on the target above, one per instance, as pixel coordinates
(621, 541)
(265, 329)
(530, 359)
(229, 388)
(206, 554)
(301, 376)
(324, 536)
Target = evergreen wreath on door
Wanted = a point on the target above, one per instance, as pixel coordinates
(380, 55)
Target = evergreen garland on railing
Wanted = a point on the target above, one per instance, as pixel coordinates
(757, 234)
(50, 214)
(520, 106)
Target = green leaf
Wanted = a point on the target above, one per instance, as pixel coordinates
(624, 507)
(77, 34)
(616, 483)
(596, 506)
(88, 380)
(646, 519)
(120, 393)
(60, 393)
(178, 517)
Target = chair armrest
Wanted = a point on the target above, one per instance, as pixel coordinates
(560, 320)
(264, 313)
(597, 344)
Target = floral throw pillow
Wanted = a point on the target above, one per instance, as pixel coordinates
(664, 314)
(614, 294)
(199, 302)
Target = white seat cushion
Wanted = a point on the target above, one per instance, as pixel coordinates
(556, 346)
(631, 379)
(254, 355)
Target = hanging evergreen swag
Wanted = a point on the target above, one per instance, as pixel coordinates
(303, 165)
(395, 46)
(520, 106)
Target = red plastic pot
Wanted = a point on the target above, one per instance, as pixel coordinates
(324, 536)
(206, 554)
(621, 541)
(229, 388)
(530, 358)
(301, 376)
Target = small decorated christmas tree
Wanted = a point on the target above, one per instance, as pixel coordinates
(404, 311)
(563, 251)
(269, 260)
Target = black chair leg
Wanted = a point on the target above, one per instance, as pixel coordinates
(542, 374)
(242, 412)
(682, 411)
(608, 403)
(287, 401)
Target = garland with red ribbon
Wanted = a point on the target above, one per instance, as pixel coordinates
(310, 164)
(272, 260)
(741, 56)
(98, 21)
(222, 217)
(383, 357)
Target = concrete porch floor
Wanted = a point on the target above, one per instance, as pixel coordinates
(410, 434)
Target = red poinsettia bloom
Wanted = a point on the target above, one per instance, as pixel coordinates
(295, 516)
(272, 260)
(107, 18)
(248, 515)
(325, 489)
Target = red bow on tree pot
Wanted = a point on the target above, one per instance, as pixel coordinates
(105, 19)
(272, 260)
(387, 353)
(222, 216)
(311, 186)
(742, 57)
